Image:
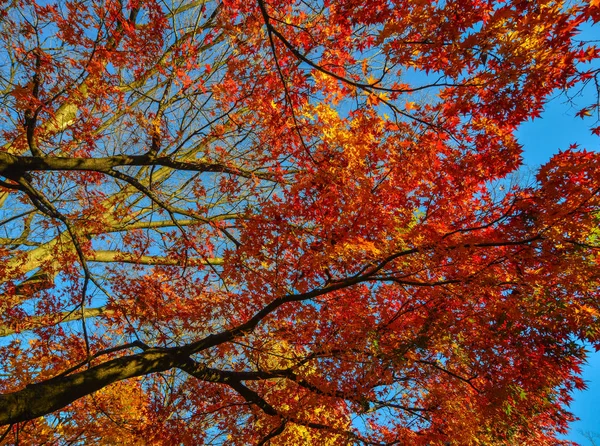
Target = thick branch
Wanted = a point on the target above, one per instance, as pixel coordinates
(12, 166)
(50, 320)
(37, 400)
(116, 256)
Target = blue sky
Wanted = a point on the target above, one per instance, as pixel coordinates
(556, 130)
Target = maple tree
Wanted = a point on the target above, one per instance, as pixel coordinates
(280, 222)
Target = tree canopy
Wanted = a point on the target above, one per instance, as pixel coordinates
(291, 222)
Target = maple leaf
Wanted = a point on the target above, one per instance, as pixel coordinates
(583, 113)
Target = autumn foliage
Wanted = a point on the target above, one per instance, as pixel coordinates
(291, 223)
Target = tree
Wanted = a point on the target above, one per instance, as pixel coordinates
(289, 223)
